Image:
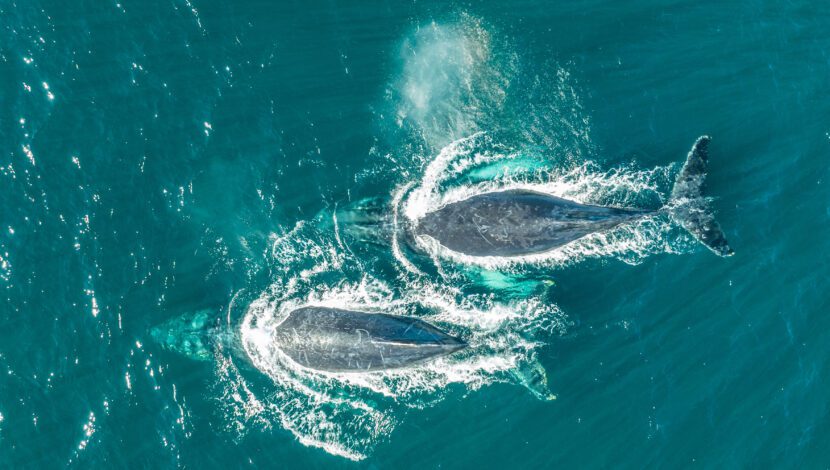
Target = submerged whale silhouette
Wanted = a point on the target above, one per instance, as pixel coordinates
(322, 338)
(520, 222)
(337, 340)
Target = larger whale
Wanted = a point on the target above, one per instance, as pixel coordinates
(321, 338)
(514, 223)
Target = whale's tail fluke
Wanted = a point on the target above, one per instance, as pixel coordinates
(689, 207)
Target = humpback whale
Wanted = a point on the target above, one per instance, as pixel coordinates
(520, 222)
(321, 338)
(336, 340)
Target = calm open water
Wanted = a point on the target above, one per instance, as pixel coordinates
(159, 157)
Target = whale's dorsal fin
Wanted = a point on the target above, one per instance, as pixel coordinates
(688, 206)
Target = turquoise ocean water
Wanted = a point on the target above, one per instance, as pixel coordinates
(165, 157)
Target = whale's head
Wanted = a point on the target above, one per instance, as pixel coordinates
(189, 335)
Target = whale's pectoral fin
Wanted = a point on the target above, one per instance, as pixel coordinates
(510, 284)
(688, 206)
(531, 374)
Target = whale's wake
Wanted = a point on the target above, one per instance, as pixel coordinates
(348, 413)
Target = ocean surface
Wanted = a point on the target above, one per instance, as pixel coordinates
(239, 159)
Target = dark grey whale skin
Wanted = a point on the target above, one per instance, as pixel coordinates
(338, 340)
(518, 222)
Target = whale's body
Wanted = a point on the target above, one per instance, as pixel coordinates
(321, 338)
(519, 222)
(338, 340)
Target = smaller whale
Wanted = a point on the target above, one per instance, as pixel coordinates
(337, 340)
(519, 222)
(321, 338)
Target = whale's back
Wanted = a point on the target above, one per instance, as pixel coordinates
(332, 339)
(517, 222)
